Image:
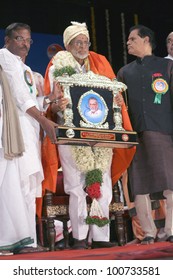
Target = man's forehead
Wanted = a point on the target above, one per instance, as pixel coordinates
(81, 36)
(133, 33)
(21, 31)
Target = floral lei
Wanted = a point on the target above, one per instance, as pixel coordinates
(64, 60)
(93, 162)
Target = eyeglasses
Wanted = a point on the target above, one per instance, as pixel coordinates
(82, 44)
(20, 39)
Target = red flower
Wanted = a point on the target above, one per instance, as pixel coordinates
(94, 190)
(99, 218)
(155, 75)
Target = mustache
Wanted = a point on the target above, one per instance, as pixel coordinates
(25, 48)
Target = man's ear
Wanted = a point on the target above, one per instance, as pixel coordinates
(6, 40)
(146, 40)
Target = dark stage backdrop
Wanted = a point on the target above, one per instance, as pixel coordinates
(108, 22)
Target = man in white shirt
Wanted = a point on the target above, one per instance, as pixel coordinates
(29, 174)
(15, 222)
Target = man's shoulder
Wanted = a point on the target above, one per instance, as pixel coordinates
(101, 63)
(94, 54)
(128, 65)
(160, 58)
(7, 56)
(164, 60)
(4, 51)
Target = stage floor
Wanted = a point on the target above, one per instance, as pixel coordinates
(156, 251)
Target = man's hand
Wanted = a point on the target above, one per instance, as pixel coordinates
(60, 105)
(49, 127)
(118, 99)
(57, 92)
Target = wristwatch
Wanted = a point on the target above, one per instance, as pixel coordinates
(47, 100)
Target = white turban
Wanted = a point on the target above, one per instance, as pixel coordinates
(74, 30)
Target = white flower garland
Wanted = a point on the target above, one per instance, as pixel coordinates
(96, 209)
(88, 158)
(63, 59)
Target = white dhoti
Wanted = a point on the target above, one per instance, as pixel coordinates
(31, 172)
(15, 227)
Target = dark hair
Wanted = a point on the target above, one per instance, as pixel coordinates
(16, 26)
(144, 31)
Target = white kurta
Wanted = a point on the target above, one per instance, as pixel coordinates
(29, 165)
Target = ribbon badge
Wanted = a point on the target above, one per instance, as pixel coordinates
(159, 86)
(28, 80)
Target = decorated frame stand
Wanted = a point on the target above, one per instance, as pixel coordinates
(91, 117)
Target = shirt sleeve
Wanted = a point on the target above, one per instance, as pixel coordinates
(12, 66)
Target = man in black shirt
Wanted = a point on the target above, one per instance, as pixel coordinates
(150, 91)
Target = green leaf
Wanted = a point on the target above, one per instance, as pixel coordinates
(93, 176)
(100, 222)
(64, 70)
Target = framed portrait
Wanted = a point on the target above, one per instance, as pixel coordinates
(92, 115)
(92, 107)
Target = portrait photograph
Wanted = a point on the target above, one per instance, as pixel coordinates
(92, 107)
